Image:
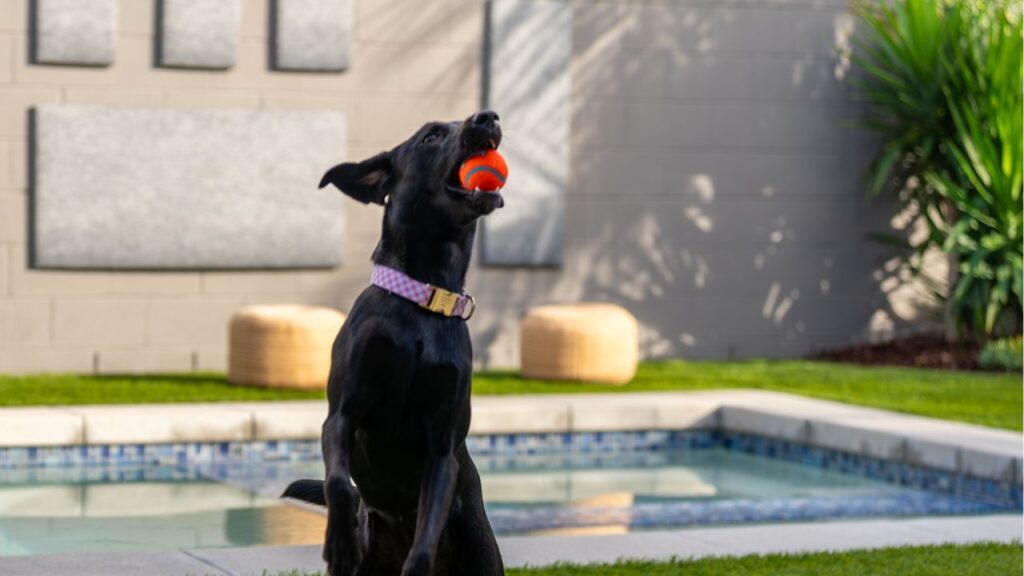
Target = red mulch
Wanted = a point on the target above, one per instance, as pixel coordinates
(922, 351)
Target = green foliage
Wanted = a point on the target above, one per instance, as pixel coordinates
(942, 82)
(1003, 354)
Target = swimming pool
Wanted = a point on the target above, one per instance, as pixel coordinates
(132, 498)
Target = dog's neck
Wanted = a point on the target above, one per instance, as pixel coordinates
(437, 256)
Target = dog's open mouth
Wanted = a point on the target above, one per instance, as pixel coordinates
(487, 199)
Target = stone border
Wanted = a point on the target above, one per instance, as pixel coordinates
(938, 444)
(544, 550)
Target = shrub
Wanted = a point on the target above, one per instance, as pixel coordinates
(1003, 354)
(942, 86)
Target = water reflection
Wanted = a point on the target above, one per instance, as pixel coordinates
(134, 508)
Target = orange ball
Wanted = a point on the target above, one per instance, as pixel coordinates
(486, 171)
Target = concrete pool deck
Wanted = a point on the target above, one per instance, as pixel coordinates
(544, 550)
(939, 444)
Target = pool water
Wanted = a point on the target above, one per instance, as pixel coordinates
(136, 508)
(161, 507)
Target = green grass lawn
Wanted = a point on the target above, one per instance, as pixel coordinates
(973, 560)
(990, 399)
(981, 398)
(950, 560)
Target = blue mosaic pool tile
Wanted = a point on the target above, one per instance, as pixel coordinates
(170, 454)
(708, 512)
(1000, 494)
(507, 451)
(517, 444)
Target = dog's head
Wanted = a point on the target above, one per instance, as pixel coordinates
(418, 180)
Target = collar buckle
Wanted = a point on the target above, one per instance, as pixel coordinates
(441, 301)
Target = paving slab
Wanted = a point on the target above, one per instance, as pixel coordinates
(512, 414)
(522, 551)
(299, 420)
(761, 539)
(39, 427)
(611, 412)
(95, 564)
(962, 530)
(813, 537)
(519, 551)
(152, 424)
(260, 560)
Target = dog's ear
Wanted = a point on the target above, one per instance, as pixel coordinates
(366, 181)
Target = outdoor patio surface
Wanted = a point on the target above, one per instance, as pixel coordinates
(543, 550)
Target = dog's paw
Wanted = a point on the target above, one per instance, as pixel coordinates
(340, 554)
(340, 561)
(341, 548)
(417, 564)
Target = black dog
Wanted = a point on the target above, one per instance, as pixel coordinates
(398, 393)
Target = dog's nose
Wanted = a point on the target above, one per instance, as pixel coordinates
(484, 117)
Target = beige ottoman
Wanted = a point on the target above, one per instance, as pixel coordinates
(588, 342)
(282, 345)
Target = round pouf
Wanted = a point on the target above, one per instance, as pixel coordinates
(589, 342)
(282, 345)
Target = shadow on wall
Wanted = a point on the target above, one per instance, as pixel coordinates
(716, 189)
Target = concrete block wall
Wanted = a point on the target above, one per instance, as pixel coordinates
(409, 66)
(714, 190)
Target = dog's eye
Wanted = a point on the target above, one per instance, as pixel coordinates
(431, 138)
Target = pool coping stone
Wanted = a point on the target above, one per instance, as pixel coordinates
(940, 444)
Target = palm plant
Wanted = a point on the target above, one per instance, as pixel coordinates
(942, 84)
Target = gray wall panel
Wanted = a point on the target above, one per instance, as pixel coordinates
(312, 35)
(199, 33)
(529, 86)
(81, 32)
(179, 189)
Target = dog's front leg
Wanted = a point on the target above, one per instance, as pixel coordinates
(432, 513)
(341, 548)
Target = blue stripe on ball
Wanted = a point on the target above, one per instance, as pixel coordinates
(499, 175)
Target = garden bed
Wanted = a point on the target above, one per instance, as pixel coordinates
(920, 351)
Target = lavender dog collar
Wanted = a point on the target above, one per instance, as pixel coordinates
(426, 295)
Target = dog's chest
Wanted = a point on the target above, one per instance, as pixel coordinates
(434, 394)
(440, 384)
